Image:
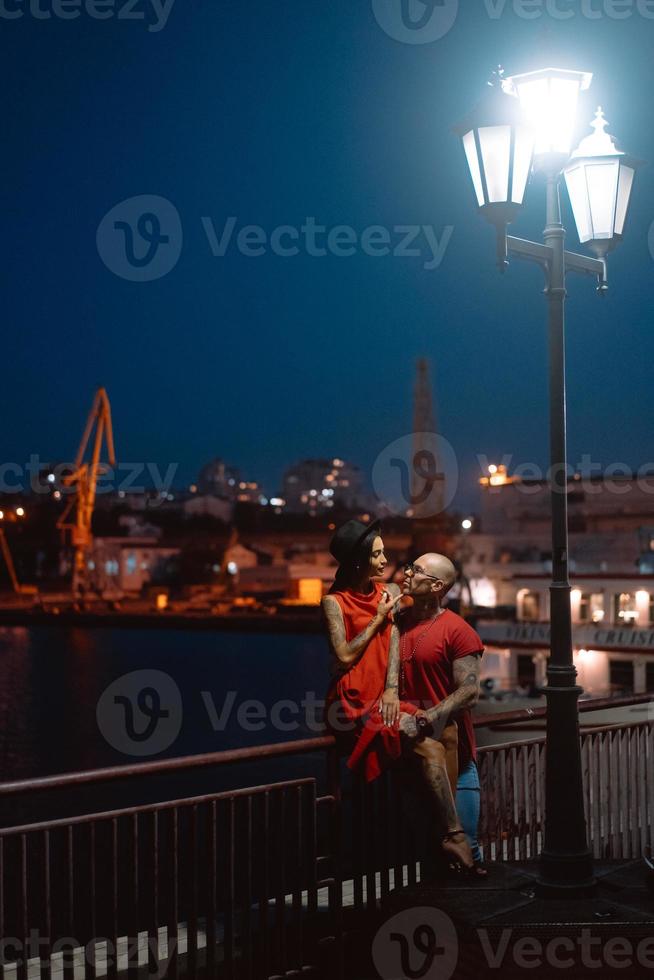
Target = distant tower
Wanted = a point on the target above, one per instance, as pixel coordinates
(427, 480)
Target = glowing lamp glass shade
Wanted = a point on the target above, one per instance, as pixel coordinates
(549, 99)
(498, 146)
(599, 178)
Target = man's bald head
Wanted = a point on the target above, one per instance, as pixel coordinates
(441, 567)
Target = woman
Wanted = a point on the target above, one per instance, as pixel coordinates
(356, 613)
(357, 617)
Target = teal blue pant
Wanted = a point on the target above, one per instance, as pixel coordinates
(468, 792)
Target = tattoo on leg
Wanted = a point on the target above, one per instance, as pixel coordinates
(441, 792)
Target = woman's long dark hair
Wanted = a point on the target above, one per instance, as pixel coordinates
(349, 572)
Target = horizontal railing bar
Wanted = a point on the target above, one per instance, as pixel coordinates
(618, 726)
(258, 752)
(152, 807)
(229, 756)
(529, 714)
(263, 788)
(541, 740)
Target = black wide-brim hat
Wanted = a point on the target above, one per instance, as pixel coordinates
(348, 537)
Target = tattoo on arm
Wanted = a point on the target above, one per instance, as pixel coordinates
(465, 672)
(393, 670)
(347, 653)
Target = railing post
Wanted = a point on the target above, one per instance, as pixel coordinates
(336, 834)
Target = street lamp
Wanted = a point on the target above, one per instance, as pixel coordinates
(498, 142)
(599, 179)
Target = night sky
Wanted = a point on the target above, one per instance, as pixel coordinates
(273, 113)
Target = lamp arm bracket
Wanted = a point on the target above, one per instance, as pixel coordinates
(532, 251)
(529, 250)
(585, 265)
(574, 262)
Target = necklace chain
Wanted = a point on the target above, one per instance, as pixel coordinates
(404, 659)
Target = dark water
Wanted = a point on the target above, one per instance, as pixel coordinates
(52, 680)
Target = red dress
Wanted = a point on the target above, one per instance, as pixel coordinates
(358, 688)
(357, 691)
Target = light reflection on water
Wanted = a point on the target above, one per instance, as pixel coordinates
(51, 679)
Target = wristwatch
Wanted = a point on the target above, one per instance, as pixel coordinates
(423, 724)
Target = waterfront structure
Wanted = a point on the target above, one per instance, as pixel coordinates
(611, 529)
(508, 559)
(127, 564)
(601, 503)
(612, 634)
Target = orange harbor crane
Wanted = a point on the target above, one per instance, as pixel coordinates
(85, 478)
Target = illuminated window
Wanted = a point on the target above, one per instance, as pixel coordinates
(591, 607)
(625, 608)
(130, 563)
(529, 605)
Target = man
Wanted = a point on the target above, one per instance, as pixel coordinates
(435, 665)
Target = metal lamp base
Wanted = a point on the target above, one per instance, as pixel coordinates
(566, 875)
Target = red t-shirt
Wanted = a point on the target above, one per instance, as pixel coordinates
(426, 676)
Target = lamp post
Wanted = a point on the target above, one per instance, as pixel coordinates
(526, 123)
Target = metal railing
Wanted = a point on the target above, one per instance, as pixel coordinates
(266, 880)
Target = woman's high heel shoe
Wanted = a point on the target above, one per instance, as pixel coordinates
(459, 852)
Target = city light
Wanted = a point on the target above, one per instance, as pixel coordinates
(498, 476)
(466, 524)
(20, 512)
